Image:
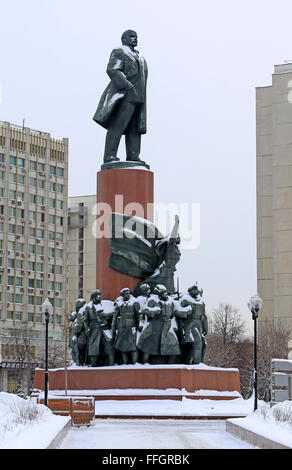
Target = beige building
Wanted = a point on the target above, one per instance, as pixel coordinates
(81, 249)
(274, 195)
(33, 237)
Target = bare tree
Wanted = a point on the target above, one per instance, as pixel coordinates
(226, 323)
(272, 344)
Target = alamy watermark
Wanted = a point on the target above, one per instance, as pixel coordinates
(137, 222)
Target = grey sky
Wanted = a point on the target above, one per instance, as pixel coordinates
(205, 59)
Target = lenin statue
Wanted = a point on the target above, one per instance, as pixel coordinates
(122, 107)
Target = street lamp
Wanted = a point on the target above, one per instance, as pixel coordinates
(255, 304)
(47, 310)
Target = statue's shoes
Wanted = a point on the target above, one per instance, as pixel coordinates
(111, 159)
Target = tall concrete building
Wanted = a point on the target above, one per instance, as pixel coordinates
(81, 248)
(33, 236)
(274, 195)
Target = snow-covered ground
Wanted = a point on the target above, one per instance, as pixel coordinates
(153, 434)
(186, 407)
(273, 423)
(25, 425)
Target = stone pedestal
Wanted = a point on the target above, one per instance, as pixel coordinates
(120, 188)
(145, 382)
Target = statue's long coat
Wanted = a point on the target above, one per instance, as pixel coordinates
(124, 67)
(158, 336)
(125, 323)
(100, 334)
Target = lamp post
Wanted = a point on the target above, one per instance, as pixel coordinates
(47, 310)
(255, 304)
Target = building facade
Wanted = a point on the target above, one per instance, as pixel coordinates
(81, 249)
(274, 196)
(33, 238)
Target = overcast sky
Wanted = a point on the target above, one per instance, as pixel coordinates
(205, 59)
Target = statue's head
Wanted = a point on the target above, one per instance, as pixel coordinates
(161, 291)
(129, 38)
(96, 297)
(125, 293)
(194, 291)
(79, 304)
(145, 290)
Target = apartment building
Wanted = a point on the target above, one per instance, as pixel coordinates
(81, 249)
(33, 237)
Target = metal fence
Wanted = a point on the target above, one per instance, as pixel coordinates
(281, 383)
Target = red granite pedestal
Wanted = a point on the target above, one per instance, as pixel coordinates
(120, 189)
(144, 382)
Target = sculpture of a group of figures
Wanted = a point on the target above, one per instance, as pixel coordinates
(153, 328)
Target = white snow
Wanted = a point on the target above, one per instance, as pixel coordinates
(16, 429)
(150, 366)
(186, 407)
(264, 423)
(142, 391)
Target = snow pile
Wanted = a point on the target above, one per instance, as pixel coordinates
(26, 425)
(186, 407)
(271, 422)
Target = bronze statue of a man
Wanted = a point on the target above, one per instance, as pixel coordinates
(125, 325)
(194, 324)
(122, 107)
(96, 323)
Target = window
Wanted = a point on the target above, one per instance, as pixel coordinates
(21, 179)
(59, 253)
(20, 162)
(20, 230)
(20, 213)
(34, 300)
(40, 233)
(12, 194)
(33, 165)
(41, 217)
(1, 175)
(41, 167)
(59, 286)
(51, 285)
(10, 263)
(19, 247)
(60, 188)
(12, 177)
(52, 203)
(41, 184)
(60, 172)
(31, 249)
(59, 220)
(40, 267)
(58, 269)
(31, 215)
(1, 226)
(31, 266)
(1, 157)
(51, 219)
(15, 298)
(58, 319)
(59, 205)
(41, 200)
(31, 232)
(11, 246)
(52, 170)
(32, 182)
(40, 250)
(12, 211)
(51, 252)
(20, 196)
(59, 236)
(38, 319)
(12, 160)
(51, 236)
(32, 199)
(52, 187)
(1, 191)
(19, 264)
(18, 281)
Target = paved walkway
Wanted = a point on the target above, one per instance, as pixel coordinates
(152, 434)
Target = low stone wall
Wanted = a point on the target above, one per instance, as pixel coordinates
(56, 442)
(251, 437)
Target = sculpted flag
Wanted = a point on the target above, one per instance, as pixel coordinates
(137, 246)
